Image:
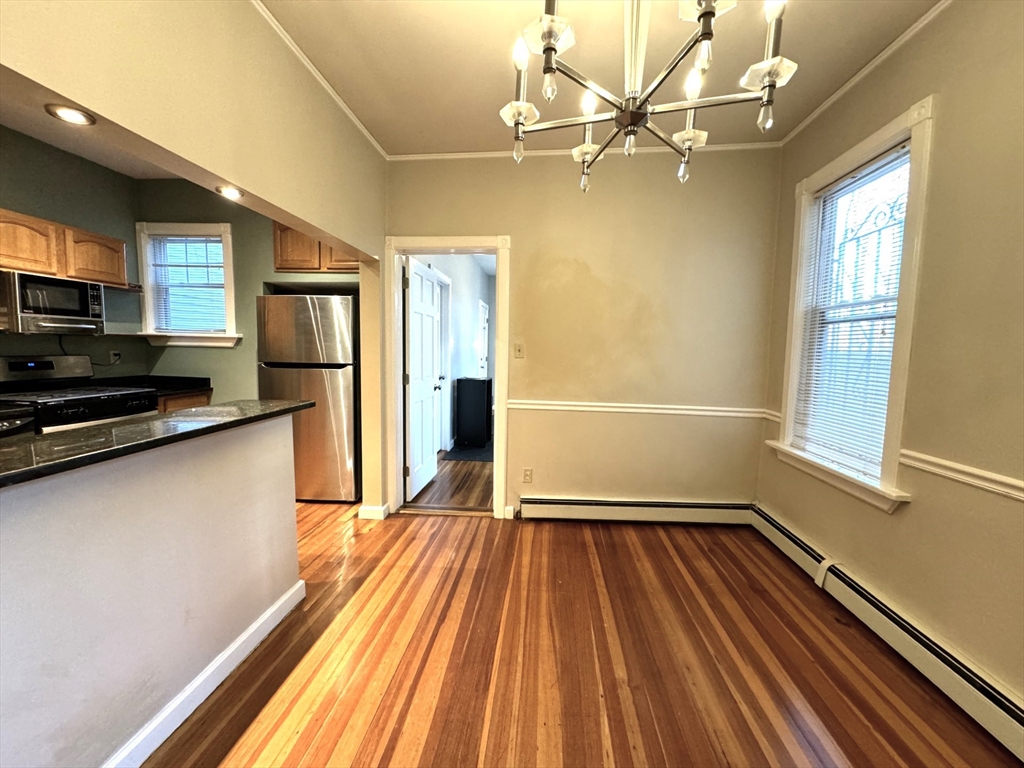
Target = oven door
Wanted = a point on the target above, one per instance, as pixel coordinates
(53, 305)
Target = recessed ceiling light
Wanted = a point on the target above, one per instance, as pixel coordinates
(231, 193)
(70, 114)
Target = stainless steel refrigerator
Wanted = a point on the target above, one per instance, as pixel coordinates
(307, 351)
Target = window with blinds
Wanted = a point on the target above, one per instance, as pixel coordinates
(187, 288)
(851, 290)
(186, 271)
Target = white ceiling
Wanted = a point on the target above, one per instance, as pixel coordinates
(22, 105)
(430, 77)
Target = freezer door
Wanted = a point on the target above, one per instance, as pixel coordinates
(325, 436)
(305, 329)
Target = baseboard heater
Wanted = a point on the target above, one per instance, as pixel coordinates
(994, 710)
(634, 511)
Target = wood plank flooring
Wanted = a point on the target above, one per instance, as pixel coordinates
(456, 641)
(459, 485)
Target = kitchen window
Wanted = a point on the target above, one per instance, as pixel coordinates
(858, 235)
(187, 284)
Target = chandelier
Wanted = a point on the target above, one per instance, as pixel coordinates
(551, 35)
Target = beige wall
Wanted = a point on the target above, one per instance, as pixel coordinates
(954, 557)
(212, 83)
(641, 291)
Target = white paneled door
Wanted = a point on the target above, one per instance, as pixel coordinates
(422, 364)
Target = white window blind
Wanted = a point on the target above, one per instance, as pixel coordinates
(851, 288)
(187, 284)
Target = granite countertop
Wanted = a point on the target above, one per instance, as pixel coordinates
(28, 457)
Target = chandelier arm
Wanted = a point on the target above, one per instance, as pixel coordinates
(586, 82)
(603, 147)
(670, 67)
(711, 101)
(664, 138)
(550, 125)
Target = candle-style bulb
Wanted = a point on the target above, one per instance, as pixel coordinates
(585, 182)
(518, 153)
(765, 118)
(703, 60)
(589, 102)
(694, 82)
(684, 172)
(773, 9)
(550, 87)
(521, 55)
(630, 147)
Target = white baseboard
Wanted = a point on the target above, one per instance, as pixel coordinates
(947, 670)
(626, 511)
(373, 513)
(510, 513)
(155, 732)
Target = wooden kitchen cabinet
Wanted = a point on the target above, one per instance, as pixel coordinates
(96, 258)
(28, 244)
(177, 402)
(296, 252)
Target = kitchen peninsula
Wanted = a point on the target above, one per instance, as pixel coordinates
(140, 562)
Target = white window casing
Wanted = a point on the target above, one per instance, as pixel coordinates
(859, 471)
(189, 320)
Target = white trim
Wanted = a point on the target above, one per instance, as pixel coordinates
(395, 251)
(895, 45)
(367, 512)
(570, 510)
(567, 153)
(219, 340)
(670, 410)
(881, 497)
(1003, 485)
(144, 230)
(155, 732)
(914, 124)
(276, 26)
(990, 717)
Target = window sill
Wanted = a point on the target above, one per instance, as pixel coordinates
(219, 340)
(880, 497)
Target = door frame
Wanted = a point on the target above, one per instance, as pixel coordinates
(396, 251)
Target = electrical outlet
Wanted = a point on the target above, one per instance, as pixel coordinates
(519, 349)
(115, 357)
(528, 475)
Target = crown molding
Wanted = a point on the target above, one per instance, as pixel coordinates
(276, 26)
(894, 46)
(568, 152)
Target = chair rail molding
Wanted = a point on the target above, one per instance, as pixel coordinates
(1003, 485)
(655, 408)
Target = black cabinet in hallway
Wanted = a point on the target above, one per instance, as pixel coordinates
(472, 412)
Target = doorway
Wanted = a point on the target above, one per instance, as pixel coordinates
(449, 392)
(483, 485)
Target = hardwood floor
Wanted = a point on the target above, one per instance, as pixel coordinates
(459, 485)
(454, 641)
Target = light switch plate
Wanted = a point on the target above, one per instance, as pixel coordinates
(519, 349)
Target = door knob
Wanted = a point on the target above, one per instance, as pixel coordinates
(437, 387)
(441, 378)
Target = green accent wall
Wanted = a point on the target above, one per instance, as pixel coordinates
(44, 181)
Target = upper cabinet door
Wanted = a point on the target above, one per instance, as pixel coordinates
(339, 259)
(94, 257)
(294, 251)
(27, 243)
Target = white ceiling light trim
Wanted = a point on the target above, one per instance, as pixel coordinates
(316, 73)
(889, 50)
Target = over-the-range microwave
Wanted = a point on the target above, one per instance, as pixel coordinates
(40, 304)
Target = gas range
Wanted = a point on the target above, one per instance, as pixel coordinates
(58, 392)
